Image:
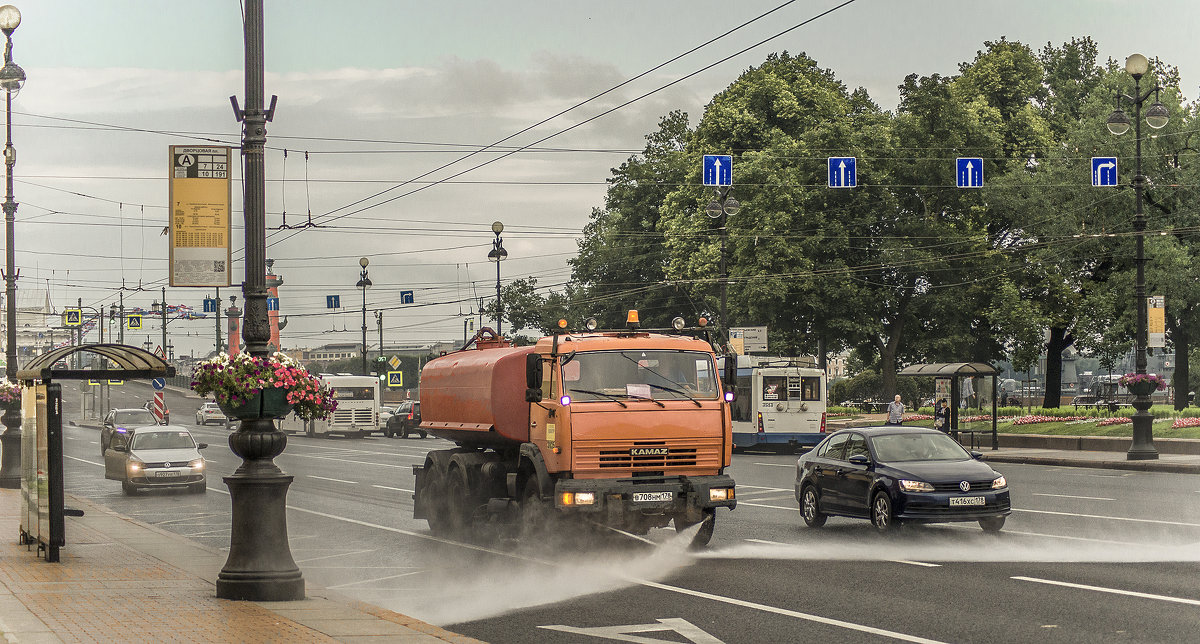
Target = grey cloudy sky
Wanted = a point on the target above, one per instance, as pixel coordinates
(379, 92)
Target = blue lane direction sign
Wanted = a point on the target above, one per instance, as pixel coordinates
(1104, 171)
(969, 172)
(406, 297)
(395, 378)
(333, 301)
(159, 384)
(718, 170)
(210, 305)
(842, 172)
(272, 304)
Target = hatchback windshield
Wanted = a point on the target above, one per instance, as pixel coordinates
(662, 375)
(163, 440)
(133, 418)
(894, 448)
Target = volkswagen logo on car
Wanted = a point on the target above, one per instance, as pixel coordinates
(964, 486)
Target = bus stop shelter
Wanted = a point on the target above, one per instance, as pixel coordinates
(42, 512)
(956, 371)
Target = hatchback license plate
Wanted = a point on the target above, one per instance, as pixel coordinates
(639, 497)
(967, 500)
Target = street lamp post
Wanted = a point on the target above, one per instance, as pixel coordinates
(498, 254)
(364, 283)
(12, 77)
(720, 209)
(260, 566)
(1118, 123)
(161, 307)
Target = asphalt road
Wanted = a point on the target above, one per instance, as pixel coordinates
(1088, 555)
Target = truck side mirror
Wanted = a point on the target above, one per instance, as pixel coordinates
(533, 372)
(533, 395)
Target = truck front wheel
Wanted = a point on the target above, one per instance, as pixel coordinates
(707, 525)
(534, 513)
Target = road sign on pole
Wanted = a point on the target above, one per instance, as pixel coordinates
(72, 317)
(134, 321)
(969, 172)
(333, 301)
(1104, 171)
(718, 170)
(406, 297)
(159, 384)
(842, 172)
(395, 378)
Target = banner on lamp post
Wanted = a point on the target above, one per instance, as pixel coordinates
(1156, 321)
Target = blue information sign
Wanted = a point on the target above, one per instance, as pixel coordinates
(272, 304)
(406, 297)
(333, 301)
(1104, 171)
(718, 170)
(842, 173)
(969, 172)
(210, 305)
(395, 378)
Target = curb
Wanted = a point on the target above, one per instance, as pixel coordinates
(1139, 466)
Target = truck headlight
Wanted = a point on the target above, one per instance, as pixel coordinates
(915, 486)
(720, 494)
(578, 498)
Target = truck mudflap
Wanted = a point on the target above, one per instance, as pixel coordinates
(672, 495)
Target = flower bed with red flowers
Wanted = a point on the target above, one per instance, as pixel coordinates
(916, 417)
(1035, 419)
(1115, 420)
(1180, 423)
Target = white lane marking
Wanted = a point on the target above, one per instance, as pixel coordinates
(760, 487)
(1071, 496)
(398, 489)
(367, 581)
(1114, 591)
(643, 582)
(1099, 516)
(72, 438)
(769, 543)
(764, 505)
(901, 561)
(83, 460)
(792, 465)
(326, 478)
(1049, 536)
(340, 554)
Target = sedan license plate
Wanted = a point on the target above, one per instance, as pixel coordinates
(967, 500)
(166, 474)
(640, 497)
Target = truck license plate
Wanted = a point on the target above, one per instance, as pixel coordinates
(639, 497)
(966, 500)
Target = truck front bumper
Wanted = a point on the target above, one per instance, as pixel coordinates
(673, 495)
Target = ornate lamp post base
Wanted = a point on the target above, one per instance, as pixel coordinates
(1142, 448)
(260, 565)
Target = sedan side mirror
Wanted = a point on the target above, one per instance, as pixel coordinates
(976, 455)
(201, 445)
(859, 459)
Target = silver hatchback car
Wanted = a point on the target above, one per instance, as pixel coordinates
(155, 456)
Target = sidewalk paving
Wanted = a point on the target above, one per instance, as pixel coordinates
(122, 580)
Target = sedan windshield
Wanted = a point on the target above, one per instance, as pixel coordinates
(659, 375)
(163, 440)
(133, 418)
(895, 448)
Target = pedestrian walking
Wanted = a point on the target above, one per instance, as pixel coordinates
(941, 416)
(895, 411)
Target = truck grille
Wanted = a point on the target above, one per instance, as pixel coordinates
(610, 455)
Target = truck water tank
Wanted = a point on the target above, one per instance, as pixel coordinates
(477, 396)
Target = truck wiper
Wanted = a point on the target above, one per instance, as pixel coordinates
(676, 391)
(601, 393)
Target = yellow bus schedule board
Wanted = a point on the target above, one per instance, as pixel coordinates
(200, 215)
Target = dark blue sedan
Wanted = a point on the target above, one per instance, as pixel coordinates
(893, 475)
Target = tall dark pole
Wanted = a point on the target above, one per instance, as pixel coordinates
(364, 283)
(260, 565)
(498, 254)
(164, 322)
(218, 318)
(12, 77)
(1142, 447)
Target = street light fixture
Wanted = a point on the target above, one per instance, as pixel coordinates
(12, 78)
(1118, 123)
(364, 283)
(498, 254)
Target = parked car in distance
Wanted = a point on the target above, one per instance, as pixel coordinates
(210, 412)
(893, 475)
(120, 420)
(155, 456)
(405, 420)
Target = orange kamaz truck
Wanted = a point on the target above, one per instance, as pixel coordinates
(626, 429)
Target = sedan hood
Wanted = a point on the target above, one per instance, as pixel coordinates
(942, 471)
(181, 455)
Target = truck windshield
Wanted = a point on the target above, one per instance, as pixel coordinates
(655, 375)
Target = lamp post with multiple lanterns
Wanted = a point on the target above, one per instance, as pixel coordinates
(1118, 123)
(498, 254)
(12, 78)
(364, 283)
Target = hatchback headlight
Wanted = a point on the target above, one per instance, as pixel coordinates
(999, 483)
(915, 486)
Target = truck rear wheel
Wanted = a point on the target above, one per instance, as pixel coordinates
(707, 526)
(458, 501)
(434, 493)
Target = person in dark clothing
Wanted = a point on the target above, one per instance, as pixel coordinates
(941, 416)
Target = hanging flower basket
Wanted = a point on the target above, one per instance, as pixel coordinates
(248, 387)
(1142, 384)
(10, 395)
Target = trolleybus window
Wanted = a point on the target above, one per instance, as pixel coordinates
(353, 393)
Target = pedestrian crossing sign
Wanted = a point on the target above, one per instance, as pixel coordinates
(72, 317)
(134, 322)
(395, 378)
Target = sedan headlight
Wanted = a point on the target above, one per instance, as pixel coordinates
(1000, 483)
(197, 464)
(136, 466)
(915, 486)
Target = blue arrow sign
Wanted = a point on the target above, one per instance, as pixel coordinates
(333, 301)
(210, 305)
(842, 173)
(1104, 171)
(406, 297)
(272, 304)
(159, 384)
(718, 170)
(969, 172)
